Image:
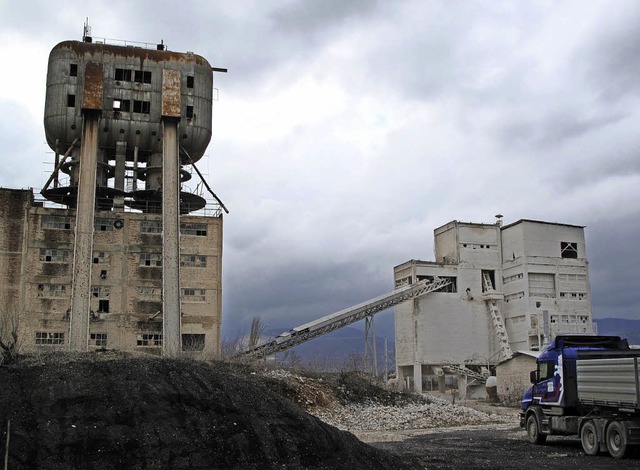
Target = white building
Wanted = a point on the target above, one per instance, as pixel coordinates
(512, 288)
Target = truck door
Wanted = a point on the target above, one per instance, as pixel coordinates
(548, 389)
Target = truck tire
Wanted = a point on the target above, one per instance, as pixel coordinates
(533, 430)
(616, 439)
(589, 438)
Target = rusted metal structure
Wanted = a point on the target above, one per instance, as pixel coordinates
(126, 123)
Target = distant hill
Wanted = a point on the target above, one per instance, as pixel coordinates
(338, 350)
(629, 329)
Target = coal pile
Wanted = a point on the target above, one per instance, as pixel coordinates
(119, 411)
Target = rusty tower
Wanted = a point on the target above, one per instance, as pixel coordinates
(125, 121)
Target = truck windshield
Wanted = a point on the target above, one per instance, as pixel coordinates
(546, 370)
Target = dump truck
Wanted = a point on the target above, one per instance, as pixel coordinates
(587, 386)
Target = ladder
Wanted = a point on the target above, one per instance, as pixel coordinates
(328, 323)
(490, 296)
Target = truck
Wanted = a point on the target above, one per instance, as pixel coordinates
(586, 386)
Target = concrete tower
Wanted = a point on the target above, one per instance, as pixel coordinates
(125, 123)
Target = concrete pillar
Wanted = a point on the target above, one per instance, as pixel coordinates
(442, 383)
(83, 246)
(417, 378)
(171, 324)
(462, 386)
(121, 154)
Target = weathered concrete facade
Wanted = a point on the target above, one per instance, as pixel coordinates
(513, 288)
(36, 257)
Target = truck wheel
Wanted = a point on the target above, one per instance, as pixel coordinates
(533, 430)
(589, 438)
(616, 439)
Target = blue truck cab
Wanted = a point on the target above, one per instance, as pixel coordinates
(581, 386)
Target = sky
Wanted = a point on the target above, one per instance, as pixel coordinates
(346, 132)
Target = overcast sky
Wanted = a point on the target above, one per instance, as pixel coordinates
(346, 131)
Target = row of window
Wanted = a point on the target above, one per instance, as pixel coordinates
(139, 106)
(129, 75)
(55, 255)
(59, 291)
(58, 222)
(190, 342)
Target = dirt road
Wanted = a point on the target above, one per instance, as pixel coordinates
(499, 447)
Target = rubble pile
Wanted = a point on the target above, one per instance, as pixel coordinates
(375, 417)
(351, 402)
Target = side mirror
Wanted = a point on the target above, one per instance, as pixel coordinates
(533, 376)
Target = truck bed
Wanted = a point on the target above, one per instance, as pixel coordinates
(609, 378)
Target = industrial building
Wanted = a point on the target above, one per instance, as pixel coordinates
(123, 252)
(512, 288)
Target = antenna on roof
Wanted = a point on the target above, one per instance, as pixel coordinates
(86, 33)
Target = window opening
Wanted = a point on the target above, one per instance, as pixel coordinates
(199, 230)
(194, 295)
(189, 111)
(142, 107)
(193, 261)
(103, 225)
(121, 105)
(73, 70)
(47, 338)
(569, 250)
(56, 222)
(123, 75)
(149, 339)
(193, 342)
(100, 257)
(71, 101)
(98, 339)
(151, 226)
(53, 255)
(141, 76)
(189, 81)
(52, 291)
(150, 259)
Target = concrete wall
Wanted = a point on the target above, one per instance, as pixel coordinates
(513, 377)
(130, 290)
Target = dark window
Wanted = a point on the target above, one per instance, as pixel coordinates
(569, 250)
(141, 106)
(123, 75)
(73, 70)
(142, 76)
(189, 111)
(103, 306)
(189, 81)
(71, 101)
(192, 342)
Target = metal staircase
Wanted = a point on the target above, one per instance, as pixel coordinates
(490, 296)
(328, 323)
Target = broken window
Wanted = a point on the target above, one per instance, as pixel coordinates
(103, 306)
(193, 342)
(49, 338)
(150, 292)
(53, 255)
(488, 277)
(193, 295)
(52, 291)
(142, 107)
(150, 259)
(123, 75)
(100, 257)
(193, 261)
(189, 81)
(149, 339)
(121, 105)
(199, 230)
(569, 250)
(151, 226)
(73, 70)
(71, 101)
(103, 225)
(56, 222)
(98, 339)
(141, 76)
